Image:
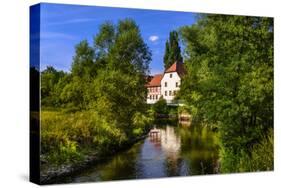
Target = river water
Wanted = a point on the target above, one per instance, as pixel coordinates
(176, 151)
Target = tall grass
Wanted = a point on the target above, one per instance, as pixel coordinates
(68, 137)
(259, 158)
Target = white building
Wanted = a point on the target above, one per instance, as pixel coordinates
(154, 89)
(166, 84)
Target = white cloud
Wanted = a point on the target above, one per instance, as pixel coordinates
(153, 38)
(55, 35)
(74, 21)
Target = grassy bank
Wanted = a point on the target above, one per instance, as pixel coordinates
(69, 138)
(260, 157)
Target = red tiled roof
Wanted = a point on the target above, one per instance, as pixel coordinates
(177, 67)
(155, 81)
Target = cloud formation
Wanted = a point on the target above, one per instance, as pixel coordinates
(56, 35)
(75, 21)
(153, 38)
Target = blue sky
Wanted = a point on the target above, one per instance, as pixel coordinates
(63, 26)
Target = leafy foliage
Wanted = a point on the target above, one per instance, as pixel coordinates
(230, 78)
(103, 96)
(65, 137)
(50, 77)
(160, 107)
(260, 157)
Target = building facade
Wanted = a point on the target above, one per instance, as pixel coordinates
(166, 85)
(154, 89)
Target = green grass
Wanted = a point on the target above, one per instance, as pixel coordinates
(259, 158)
(67, 137)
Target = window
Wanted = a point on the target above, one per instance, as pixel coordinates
(165, 93)
(150, 97)
(166, 84)
(156, 97)
(175, 92)
(177, 85)
(171, 75)
(170, 93)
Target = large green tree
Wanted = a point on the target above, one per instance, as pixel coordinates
(104, 96)
(129, 52)
(120, 87)
(230, 80)
(83, 61)
(108, 77)
(172, 50)
(75, 93)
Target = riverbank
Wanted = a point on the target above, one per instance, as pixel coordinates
(52, 174)
(72, 141)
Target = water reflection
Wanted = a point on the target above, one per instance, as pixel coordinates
(176, 151)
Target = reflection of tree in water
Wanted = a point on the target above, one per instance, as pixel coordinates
(123, 165)
(170, 144)
(176, 151)
(196, 146)
(200, 149)
(118, 167)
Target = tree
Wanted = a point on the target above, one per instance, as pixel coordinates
(230, 80)
(129, 52)
(83, 61)
(109, 77)
(83, 71)
(50, 77)
(104, 40)
(172, 50)
(120, 87)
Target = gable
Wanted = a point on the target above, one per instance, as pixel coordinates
(177, 67)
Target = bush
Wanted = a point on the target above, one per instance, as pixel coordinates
(160, 107)
(66, 137)
(141, 123)
(259, 158)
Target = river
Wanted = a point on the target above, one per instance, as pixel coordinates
(176, 151)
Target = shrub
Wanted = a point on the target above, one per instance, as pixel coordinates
(259, 158)
(65, 137)
(160, 107)
(141, 123)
